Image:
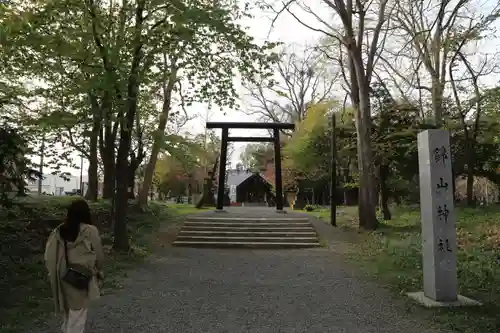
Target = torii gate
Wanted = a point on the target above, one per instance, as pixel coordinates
(276, 127)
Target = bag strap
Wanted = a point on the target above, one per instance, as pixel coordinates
(66, 253)
(59, 282)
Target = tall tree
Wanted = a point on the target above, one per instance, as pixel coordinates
(362, 33)
(469, 107)
(431, 29)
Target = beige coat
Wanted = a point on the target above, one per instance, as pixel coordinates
(86, 251)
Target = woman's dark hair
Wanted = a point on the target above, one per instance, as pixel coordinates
(78, 213)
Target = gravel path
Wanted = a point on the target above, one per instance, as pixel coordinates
(262, 291)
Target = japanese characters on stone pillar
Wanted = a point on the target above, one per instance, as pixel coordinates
(438, 216)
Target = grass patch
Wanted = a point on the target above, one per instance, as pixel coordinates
(187, 209)
(24, 287)
(392, 255)
(346, 216)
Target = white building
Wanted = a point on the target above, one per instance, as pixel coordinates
(55, 185)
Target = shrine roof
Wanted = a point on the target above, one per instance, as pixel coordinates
(236, 177)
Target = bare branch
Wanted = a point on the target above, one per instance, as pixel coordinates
(299, 82)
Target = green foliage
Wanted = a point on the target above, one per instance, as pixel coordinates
(201, 40)
(394, 136)
(79, 56)
(171, 176)
(186, 151)
(309, 146)
(184, 163)
(308, 153)
(350, 185)
(256, 157)
(395, 125)
(15, 167)
(98, 71)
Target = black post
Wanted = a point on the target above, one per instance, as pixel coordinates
(333, 177)
(277, 170)
(222, 169)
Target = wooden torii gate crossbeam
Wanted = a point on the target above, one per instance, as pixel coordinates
(276, 127)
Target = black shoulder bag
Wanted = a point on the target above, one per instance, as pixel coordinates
(76, 275)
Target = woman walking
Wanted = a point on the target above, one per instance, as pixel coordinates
(74, 257)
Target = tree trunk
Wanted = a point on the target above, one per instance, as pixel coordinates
(207, 197)
(346, 176)
(135, 162)
(127, 117)
(121, 242)
(109, 177)
(190, 192)
(471, 156)
(437, 102)
(107, 143)
(158, 142)
(367, 202)
(384, 192)
(131, 182)
(142, 198)
(107, 150)
(93, 182)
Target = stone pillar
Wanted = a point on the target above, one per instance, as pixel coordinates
(438, 221)
(438, 216)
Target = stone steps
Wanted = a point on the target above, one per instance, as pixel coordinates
(225, 232)
(249, 219)
(283, 233)
(246, 224)
(246, 238)
(246, 228)
(246, 244)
